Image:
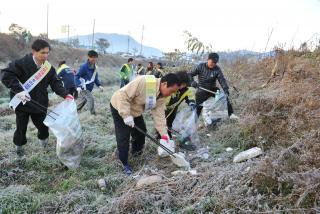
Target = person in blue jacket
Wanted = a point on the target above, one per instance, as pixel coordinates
(85, 79)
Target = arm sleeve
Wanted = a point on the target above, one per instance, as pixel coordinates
(78, 76)
(96, 80)
(56, 83)
(223, 82)
(127, 94)
(10, 78)
(159, 118)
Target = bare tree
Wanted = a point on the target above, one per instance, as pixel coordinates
(102, 44)
(134, 50)
(75, 42)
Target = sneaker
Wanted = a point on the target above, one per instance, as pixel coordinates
(44, 142)
(234, 117)
(20, 151)
(127, 169)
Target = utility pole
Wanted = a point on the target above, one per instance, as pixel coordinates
(68, 34)
(128, 42)
(94, 22)
(47, 21)
(0, 23)
(141, 40)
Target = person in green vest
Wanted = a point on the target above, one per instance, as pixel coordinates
(141, 70)
(159, 71)
(126, 73)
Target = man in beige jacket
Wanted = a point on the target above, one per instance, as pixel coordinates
(127, 105)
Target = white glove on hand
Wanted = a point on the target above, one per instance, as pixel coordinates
(24, 96)
(79, 90)
(101, 88)
(129, 121)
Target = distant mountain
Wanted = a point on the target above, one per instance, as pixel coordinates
(118, 44)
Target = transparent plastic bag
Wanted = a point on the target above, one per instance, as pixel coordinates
(186, 124)
(215, 108)
(63, 121)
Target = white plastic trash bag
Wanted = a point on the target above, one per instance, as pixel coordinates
(186, 125)
(215, 108)
(63, 121)
(170, 145)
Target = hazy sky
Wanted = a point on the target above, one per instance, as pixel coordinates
(226, 24)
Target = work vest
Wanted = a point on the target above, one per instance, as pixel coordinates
(187, 93)
(151, 92)
(140, 69)
(63, 66)
(126, 75)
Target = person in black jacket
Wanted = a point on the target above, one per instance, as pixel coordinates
(19, 78)
(208, 73)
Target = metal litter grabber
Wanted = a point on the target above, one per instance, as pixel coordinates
(42, 108)
(155, 141)
(177, 158)
(207, 90)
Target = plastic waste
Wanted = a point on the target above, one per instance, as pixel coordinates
(63, 121)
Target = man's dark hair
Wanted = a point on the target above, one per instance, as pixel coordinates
(214, 57)
(130, 59)
(139, 64)
(183, 77)
(171, 79)
(61, 63)
(160, 64)
(92, 53)
(39, 44)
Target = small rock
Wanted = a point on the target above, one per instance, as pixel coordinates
(209, 135)
(145, 181)
(229, 149)
(12, 174)
(203, 153)
(179, 172)
(102, 184)
(193, 172)
(228, 189)
(248, 154)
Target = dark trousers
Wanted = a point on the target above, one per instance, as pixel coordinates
(202, 96)
(123, 133)
(22, 119)
(123, 83)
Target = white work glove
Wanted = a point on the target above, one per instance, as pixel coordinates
(79, 90)
(101, 88)
(24, 96)
(129, 121)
